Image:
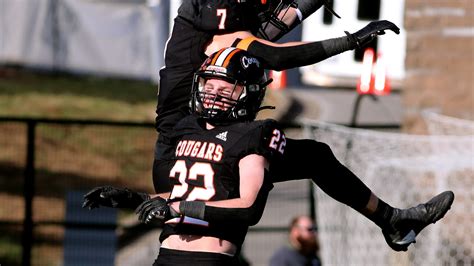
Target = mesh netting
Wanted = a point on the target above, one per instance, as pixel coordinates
(404, 170)
(439, 124)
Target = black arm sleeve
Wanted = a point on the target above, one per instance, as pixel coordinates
(249, 216)
(280, 58)
(308, 7)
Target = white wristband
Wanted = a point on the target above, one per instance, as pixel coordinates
(299, 14)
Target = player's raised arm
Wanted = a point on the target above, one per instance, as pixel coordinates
(296, 54)
(280, 17)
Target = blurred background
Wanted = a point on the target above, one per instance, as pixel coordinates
(78, 85)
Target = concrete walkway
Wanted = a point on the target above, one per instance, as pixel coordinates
(336, 106)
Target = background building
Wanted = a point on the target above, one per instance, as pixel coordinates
(439, 59)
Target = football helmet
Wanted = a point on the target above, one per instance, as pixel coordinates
(239, 68)
(274, 16)
(271, 13)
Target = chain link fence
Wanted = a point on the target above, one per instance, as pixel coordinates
(42, 161)
(404, 170)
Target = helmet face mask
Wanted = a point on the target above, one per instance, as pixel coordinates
(272, 14)
(265, 17)
(229, 87)
(214, 105)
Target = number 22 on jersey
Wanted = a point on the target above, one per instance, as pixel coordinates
(278, 141)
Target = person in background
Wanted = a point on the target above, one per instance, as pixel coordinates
(303, 245)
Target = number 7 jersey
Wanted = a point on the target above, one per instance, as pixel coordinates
(206, 168)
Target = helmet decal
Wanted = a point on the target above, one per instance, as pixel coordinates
(218, 69)
(249, 61)
(223, 56)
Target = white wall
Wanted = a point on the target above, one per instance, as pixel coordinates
(102, 37)
(342, 69)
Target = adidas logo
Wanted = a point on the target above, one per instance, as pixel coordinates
(222, 136)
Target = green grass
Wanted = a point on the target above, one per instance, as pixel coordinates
(30, 94)
(10, 251)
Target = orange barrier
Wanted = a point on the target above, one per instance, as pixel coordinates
(373, 79)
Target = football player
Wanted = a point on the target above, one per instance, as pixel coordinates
(221, 159)
(192, 39)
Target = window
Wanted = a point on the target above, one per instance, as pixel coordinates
(368, 10)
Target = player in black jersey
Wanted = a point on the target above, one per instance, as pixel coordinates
(187, 48)
(221, 158)
(202, 27)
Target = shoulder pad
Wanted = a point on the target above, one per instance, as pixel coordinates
(187, 125)
(273, 137)
(267, 139)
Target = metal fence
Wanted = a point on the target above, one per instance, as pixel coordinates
(42, 160)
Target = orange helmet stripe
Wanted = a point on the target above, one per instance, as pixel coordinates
(213, 62)
(226, 61)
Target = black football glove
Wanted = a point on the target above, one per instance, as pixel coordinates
(108, 196)
(155, 209)
(369, 32)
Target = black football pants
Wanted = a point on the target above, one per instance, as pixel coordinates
(310, 159)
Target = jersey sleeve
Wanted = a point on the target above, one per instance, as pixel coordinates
(268, 140)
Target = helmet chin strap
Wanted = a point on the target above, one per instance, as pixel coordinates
(327, 5)
(266, 83)
(268, 107)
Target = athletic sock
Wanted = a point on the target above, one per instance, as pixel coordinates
(382, 215)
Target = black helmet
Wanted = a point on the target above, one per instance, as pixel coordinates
(272, 13)
(258, 15)
(239, 68)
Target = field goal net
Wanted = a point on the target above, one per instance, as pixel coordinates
(404, 170)
(439, 124)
